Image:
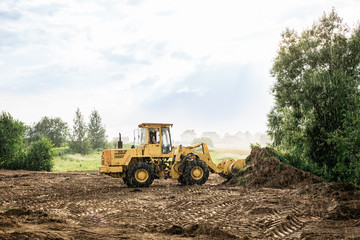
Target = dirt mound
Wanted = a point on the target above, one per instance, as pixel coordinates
(341, 191)
(257, 154)
(200, 229)
(346, 211)
(265, 170)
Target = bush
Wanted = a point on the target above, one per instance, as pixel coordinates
(39, 156)
(13, 154)
(11, 142)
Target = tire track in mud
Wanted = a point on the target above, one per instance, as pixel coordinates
(221, 209)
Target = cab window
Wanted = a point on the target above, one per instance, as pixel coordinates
(165, 140)
(154, 137)
(139, 136)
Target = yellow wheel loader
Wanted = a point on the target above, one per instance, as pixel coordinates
(155, 158)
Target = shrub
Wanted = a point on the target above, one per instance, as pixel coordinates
(39, 156)
(11, 142)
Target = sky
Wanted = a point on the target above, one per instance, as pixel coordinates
(199, 64)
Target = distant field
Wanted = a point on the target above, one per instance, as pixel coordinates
(65, 161)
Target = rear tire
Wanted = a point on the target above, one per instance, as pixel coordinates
(140, 175)
(196, 172)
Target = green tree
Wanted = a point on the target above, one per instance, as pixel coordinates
(11, 142)
(54, 129)
(97, 135)
(317, 98)
(39, 155)
(79, 140)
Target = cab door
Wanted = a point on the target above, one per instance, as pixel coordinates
(166, 148)
(154, 144)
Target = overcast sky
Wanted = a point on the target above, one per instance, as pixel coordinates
(201, 65)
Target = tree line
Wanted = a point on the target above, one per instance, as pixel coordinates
(31, 147)
(316, 117)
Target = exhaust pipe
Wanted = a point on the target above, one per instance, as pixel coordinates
(120, 143)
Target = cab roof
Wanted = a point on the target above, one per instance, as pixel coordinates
(155, 125)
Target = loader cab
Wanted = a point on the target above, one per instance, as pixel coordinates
(155, 139)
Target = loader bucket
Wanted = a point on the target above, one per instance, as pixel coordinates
(230, 166)
(238, 165)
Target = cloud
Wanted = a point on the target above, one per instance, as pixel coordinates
(135, 2)
(211, 97)
(10, 15)
(165, 13)
(181, 56)
(125, 59)
(47, 9)
(9, 39)
(186, 89)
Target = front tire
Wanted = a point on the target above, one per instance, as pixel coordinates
(181, 180)
(140, 175)
(127, 180)
(196, 172)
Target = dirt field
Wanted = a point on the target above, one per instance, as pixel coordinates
(84, 205)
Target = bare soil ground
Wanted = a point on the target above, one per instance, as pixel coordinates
(85, 205)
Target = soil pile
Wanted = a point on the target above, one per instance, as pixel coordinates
(265, 170)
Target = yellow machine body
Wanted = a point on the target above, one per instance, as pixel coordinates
(156, 158)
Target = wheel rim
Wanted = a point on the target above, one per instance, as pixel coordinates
(141, 175)
(197, 172)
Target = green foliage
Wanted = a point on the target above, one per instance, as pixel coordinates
(39, 156)
(64, 160)
(255, 145)
(208, 141)
(79, 139)
(11, 142)
(13, 154)
(316, 117)
(96, 130)
(54, 129)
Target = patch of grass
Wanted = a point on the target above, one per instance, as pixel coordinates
(66, 161)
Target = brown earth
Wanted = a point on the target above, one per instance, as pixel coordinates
(85, 205)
